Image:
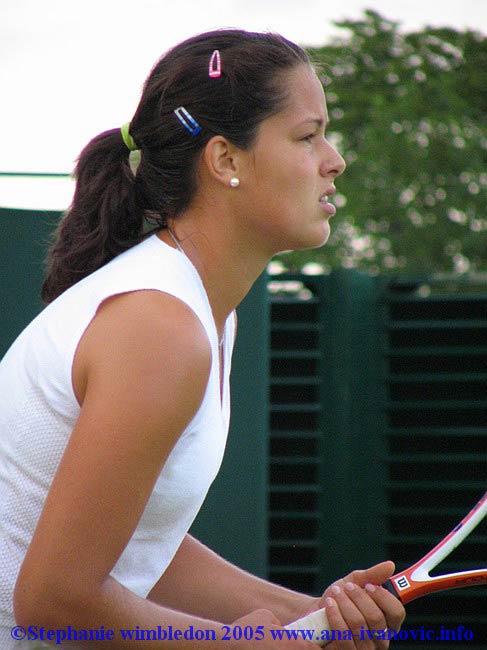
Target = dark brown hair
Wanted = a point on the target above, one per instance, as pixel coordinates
(112, 209)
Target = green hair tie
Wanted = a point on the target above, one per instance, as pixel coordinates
(127, 138)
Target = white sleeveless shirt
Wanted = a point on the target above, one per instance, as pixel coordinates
(38, 410)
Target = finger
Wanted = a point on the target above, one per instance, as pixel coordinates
(375, 620)
(339, 632)
(268, 617)
(376, 574)
(355, 616)
(261, 616)
(364, 618)
(391, 606)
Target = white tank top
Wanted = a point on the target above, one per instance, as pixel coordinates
(38, 410)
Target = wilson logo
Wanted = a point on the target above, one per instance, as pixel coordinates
(402, 583)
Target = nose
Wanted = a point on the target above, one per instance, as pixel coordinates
(332, 163)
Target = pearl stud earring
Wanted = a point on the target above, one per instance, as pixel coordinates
(234, 182)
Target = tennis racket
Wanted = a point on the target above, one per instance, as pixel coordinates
(416, 580)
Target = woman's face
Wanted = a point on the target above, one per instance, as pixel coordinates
(290, 170)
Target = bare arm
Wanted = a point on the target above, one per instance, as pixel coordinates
(132, 415)
(200, 582)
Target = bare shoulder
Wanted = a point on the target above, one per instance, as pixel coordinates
(144, 340)
(149, 313)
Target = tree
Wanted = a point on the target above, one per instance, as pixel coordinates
(408, 112)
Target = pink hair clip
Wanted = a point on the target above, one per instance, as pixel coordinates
(215, 67)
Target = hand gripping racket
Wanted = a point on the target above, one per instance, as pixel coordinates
(416, 581)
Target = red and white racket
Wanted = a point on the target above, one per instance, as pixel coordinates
(416, 581)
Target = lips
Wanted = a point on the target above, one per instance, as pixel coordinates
(328, 207)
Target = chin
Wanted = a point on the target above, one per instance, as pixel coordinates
(319, 237)
(314, 237)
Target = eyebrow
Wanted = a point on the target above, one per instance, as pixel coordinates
(315, 120)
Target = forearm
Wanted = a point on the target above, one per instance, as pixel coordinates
(200, 582)
(112, 608)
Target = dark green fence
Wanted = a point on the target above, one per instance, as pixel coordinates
(435, 353)
(359, 427)
(325, 430)
(24, 235)
(378, 434)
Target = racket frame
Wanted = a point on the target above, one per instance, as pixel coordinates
(416, 581)
(417, 576)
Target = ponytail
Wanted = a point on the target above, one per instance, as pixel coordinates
(103, 219)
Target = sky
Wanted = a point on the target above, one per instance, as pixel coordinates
(70, 70)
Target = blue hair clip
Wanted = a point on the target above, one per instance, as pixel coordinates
(187, 120)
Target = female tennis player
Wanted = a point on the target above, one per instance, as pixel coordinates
(114, 402)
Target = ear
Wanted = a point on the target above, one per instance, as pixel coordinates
(222, 159)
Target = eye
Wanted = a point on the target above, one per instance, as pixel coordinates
(309, 138)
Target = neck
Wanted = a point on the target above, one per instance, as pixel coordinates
(227, 266)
